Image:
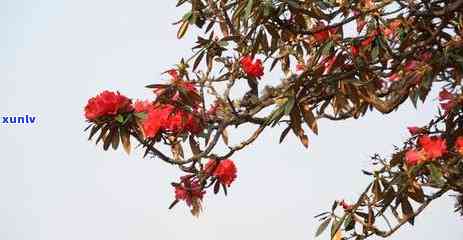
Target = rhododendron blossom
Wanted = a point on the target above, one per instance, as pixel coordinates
(435, 147)
(252, 68)
(345, 205)
(394, 77)
(300, 67)
(413, 157)
(174, 74)
(354, 49)
(322, 36)
(142, 106)
(328, 64)
(391, 29)
(411, 65)
(168, 118)
(459, 145)
(224, 170)
(107, 103)
(189, 191)
(447, 100)
(414, 130)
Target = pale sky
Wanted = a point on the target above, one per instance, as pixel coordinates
(55, 185)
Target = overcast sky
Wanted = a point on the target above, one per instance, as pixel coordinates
(54, 185)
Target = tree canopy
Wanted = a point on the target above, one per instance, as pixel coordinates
(337, 59)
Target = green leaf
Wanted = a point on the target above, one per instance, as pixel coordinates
(119, 118)
(436, 174)
(289, 105)
(336, 225)
(275, 116)
(375, 53)
(247, 11)
(141, 115)
(327, 48)
(322, 227)
(349, 224)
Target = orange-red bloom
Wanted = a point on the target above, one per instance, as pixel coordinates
(107, 103)
(415, 130)
(394, 77)
(435, 147)
(345, 205)
(322, 36)
(252, 68)
(188, 191)
(413, 157)
(142, 106)
(168, 118)
(354, 50)
(459, 145)
(447, 100)
(224, 170)
(329, 63)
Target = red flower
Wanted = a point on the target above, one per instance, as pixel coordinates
(193, 125)
(173, 73)
(413, 157)
(225, 171)
(447, 101)
(153, 122)
(328, 64)
(415, 130)
(367, 42)
(252, 69)
(212, 112)
(447, 106)
(168, 118)
(434, 147)
(354, 49)
(189, 191)
(142, 106)
(300, 67)
(322, 36)
(459, 145)
(394, 77)
(411, 65)
(345, 205)
(106, 103)
(180, 121)
(445, 95)
(426, 56)
(391, 29)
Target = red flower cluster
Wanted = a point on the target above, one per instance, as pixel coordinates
(447, 100)
(224, 170)
(252, 68)
(416, 130)
(322, 36)
(390, 30)
(459, 145)
(345, 205)
(328, 63)
(431, 149)
(107, 103)
(434, 147)
(189, 191)
(168, 118)
(354, 50)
